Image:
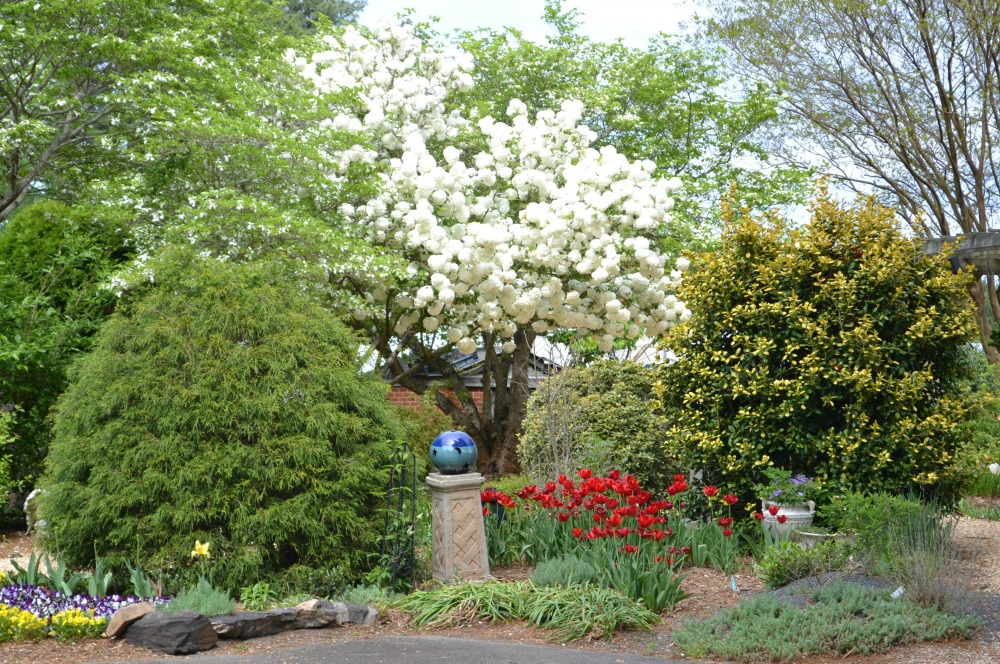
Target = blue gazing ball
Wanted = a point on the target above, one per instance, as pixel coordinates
(453, 453)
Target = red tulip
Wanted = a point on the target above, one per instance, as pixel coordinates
(711, 491)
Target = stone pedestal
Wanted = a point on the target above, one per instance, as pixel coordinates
(458, 547)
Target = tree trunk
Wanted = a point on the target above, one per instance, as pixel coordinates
(976, 291)
(520, 390)
(496, 426)
(991, 290)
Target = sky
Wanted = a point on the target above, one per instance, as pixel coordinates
(635, 21)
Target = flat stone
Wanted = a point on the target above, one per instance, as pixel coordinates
(181, 633)
(311, 614)
(251, 624)
(127, 615)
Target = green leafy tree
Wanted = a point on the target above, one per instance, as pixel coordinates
(674, 102)
(53, 260)
(75, 77)
(834, 350)
(222, 405)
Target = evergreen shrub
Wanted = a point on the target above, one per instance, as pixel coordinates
(834, 350)
(53, 260)
(221, 405)
(599, 416)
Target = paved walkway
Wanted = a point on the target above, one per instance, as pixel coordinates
(422, 650)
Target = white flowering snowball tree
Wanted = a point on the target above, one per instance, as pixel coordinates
(511, 227)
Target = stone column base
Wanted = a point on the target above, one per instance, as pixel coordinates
(458, 545)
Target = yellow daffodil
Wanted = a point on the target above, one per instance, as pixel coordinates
(200, 549)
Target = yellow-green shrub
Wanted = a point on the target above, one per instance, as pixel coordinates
(832, 350)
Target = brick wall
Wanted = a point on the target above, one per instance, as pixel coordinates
(401, 396)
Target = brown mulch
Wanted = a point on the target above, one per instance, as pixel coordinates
(978, 543)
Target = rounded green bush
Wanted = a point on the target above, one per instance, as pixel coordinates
(222, 405)
(600, 416)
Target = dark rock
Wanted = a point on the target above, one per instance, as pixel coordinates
(127, 615)
(357, 614)
(251, 624)
(181, 633)
(312, 614)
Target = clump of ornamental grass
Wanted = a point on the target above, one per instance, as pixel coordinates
(838, 619)
(921, 556)
(564, 571)
(373, 595)
(571, 612)
(789, 561)
(203, 598)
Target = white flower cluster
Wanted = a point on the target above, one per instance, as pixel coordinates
(514, 224)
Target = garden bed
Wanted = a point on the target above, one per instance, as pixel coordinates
(979, 545)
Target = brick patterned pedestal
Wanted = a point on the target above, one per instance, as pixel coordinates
(458, 547)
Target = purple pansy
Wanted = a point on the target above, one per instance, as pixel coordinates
(45, 603)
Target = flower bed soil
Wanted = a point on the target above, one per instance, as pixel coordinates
(978, 540)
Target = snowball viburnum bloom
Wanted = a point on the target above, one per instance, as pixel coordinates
(507, 225)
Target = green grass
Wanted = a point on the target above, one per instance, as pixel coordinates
(969, 509)
(841, 618)
(986, 485)
(571, 613)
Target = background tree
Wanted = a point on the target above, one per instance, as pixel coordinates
(673, 102)
(835, 350)
(53, 262)
(75, 71)
(902, 98)
(303, 16)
